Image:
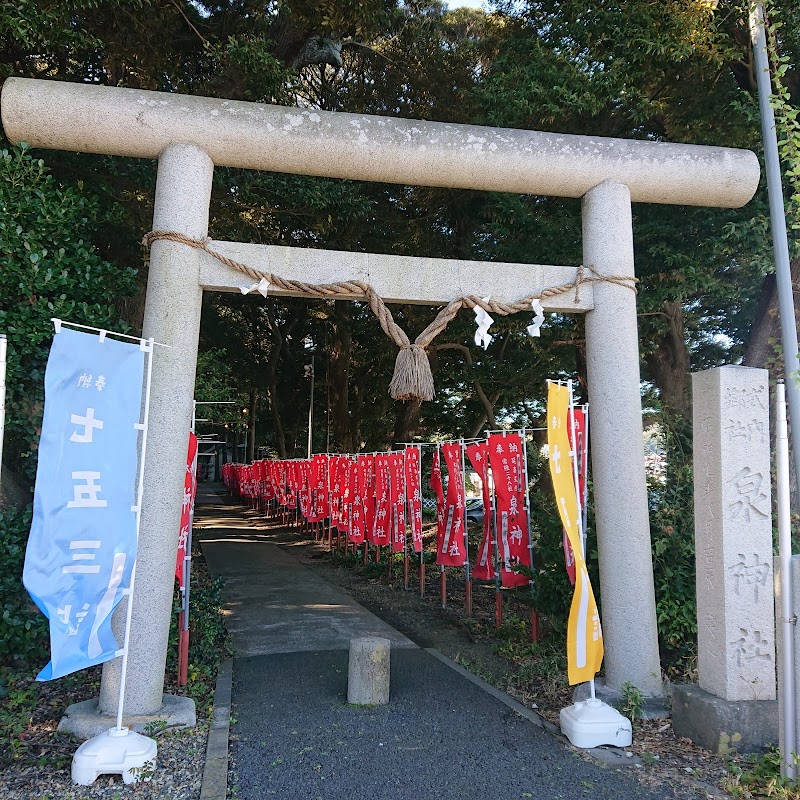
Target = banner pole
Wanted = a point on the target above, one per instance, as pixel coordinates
(421, 540)
(183, 625)
(467, 576)
(148, 348)
(498, 594)
(187, 575)
(578, 499)
(534, 612)
(442, 573)
(585, 465)
(405, 526)
(788, 619)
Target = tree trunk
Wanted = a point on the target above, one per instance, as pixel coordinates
(251, 433)
(764, 345)
(339, 376)
(669, 365)
(480, 423)
(356, 415)
(406, 420)
(764, 349)
(277, 424)
(488, 405)
(235, 442)
(272, 380)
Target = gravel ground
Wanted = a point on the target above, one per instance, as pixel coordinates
(35, 759)
(178, 775)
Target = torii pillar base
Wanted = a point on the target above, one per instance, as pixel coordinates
(83, 720)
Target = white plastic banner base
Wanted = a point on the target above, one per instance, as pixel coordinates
(592, 723)
(115, 752)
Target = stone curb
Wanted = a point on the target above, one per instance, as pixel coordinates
(513, 704)
(610, 756)
(215, 772)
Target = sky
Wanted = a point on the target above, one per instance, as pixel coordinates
(468, 3)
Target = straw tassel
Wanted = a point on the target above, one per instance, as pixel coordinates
(412, 375)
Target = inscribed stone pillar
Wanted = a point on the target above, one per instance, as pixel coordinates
(733, 534)
(630, 631)
(172, 317)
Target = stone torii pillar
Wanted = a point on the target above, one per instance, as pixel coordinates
(617, 446)
(189, 134)
(172, 315)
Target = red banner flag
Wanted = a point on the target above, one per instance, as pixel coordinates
(438, 490)
(484, 560)
(346, 482)
(361, 488)
(381, 526)
(267, 485)
(291, 486)
(189, 493)
(505, 457)
(397, 501)
(451, 549)
(413, 457)
(306, 495)
(335, 489)
(365, 484)
(319, 488)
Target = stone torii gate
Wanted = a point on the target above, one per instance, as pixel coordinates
(190, 135)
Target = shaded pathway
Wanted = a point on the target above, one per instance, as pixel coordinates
(273, 604)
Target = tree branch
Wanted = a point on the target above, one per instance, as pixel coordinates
(488, 405)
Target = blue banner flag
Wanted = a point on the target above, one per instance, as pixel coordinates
(82, 544)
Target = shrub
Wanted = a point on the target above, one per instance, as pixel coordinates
(672, 530)
(49, 269)
(24, 635)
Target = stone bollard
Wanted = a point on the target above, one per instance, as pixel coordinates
(368, 672)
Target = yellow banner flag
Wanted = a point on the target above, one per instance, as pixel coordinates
(584, 635)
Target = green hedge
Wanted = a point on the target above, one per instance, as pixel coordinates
(24, 633)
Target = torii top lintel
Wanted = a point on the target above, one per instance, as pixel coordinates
(132, 122)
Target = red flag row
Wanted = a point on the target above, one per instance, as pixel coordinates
(377, 498)
(369, 497)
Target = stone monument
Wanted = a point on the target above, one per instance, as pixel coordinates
(733, 707)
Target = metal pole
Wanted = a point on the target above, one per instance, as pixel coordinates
(573, 455)
(147, 345)
(467, 576)
(498, 594)
(3, 343)
(183, 618)
(311, 407)
(421, 539)
(187, 578)
(585, 469)
(787, 619)
(777, 214)
(408, 518)
(524, 475)
(328, 409)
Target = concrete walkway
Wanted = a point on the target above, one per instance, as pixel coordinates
(273, 604)
(442, 737)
